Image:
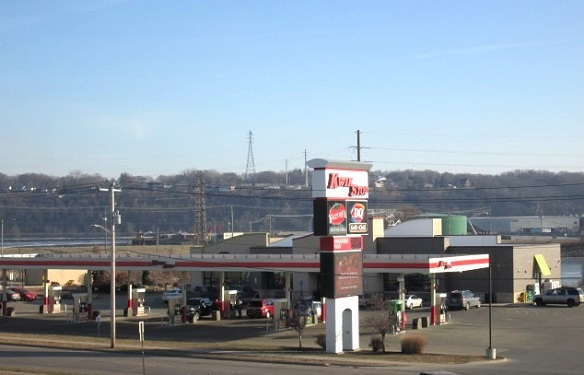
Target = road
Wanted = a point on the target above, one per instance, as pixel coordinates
(528, 340)
(100, 363)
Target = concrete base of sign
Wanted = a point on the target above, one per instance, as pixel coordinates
(342, 324)
(491, 353)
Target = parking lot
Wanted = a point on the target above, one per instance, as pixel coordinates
(524, 335)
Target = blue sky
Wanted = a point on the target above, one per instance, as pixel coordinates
(155, 88)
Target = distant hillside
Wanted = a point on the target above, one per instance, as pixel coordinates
(35, 205)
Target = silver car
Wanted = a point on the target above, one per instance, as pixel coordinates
(462, 299)
(561, 296)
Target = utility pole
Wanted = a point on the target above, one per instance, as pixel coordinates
(305, 169)
(116, 219)
(358, 148)
(105, 226)
(358, 145)
(231, 221)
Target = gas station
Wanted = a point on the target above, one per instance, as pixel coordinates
(340, 193)
(286, 263)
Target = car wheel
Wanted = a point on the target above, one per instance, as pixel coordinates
(479, 305)
(467, 306)
(539, 302)
(571, 303)
(410, 306)
(268, 315)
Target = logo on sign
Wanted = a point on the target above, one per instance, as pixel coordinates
(358, 213)
(337, 214)
(336, 181)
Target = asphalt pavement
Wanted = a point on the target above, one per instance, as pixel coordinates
(524, 337)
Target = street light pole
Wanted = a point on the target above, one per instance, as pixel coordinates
(115, 218)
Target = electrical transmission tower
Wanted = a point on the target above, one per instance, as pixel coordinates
(200, 211)
(250, 169)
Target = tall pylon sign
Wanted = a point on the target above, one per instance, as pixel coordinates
(340, 190)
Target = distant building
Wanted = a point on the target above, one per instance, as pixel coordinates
(516, 268)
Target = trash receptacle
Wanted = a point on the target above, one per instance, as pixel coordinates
(395, 305)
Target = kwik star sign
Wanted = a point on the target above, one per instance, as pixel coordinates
(340, 191)
(340, 207)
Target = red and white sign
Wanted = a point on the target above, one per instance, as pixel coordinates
(340, 243)
(338, 183)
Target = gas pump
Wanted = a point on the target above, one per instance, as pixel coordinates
(228, 304)
(442, 300)
(79, 306)
(138, 297)
(54, 299)
(174, 309)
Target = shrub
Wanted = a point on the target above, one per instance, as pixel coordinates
(321, 340)
(376, 344)
(413, 345)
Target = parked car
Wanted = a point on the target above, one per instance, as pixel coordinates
(462, 299)
(171, 293)
(25, 294)
(204, 304)
(11, 295)
(260, 308)
(564, 296)
(245, 292)
(196, 308)
(210, 292)
(412, 301)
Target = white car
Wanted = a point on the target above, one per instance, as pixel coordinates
(412, 301)
(171, 293)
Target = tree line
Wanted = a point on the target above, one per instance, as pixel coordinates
(41, 205)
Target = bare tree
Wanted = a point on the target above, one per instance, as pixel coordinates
(381, 319)
(298, 322)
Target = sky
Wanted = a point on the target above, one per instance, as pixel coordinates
(153, 88)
